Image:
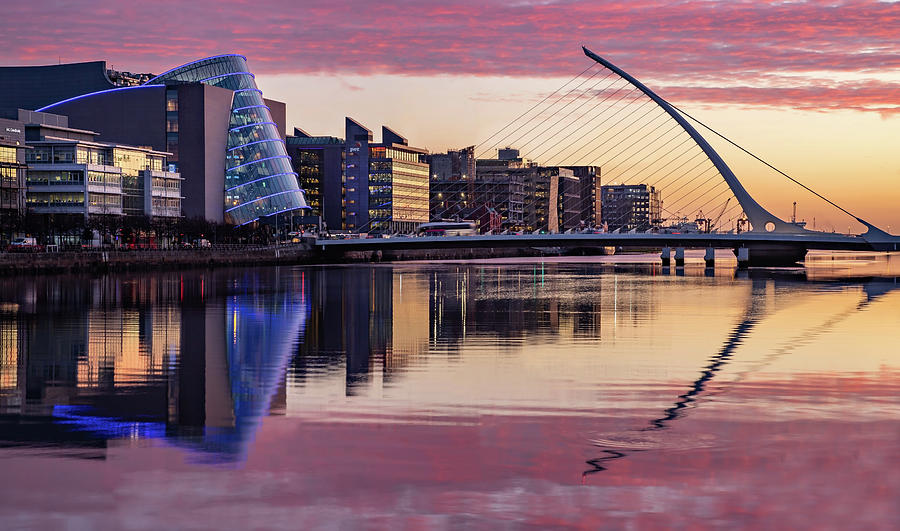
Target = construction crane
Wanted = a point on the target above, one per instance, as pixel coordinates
(716, 222)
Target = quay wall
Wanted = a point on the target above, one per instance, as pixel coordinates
(96, 261)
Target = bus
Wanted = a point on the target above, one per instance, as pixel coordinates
(448, 228)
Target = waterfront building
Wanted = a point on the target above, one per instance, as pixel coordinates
(529, 197)
(71, 173)
(12, 175)
(361, 185)
(386, 187)
(588, 194)
(225, 139)
(627, 207)
(500, 187)
(319, 164)
(452, 184)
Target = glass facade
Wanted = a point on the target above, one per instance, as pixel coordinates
(398, 189)
(259, 179)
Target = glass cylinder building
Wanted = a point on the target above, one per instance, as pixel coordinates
(259, 179)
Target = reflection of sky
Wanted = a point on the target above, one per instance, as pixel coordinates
(797, 429)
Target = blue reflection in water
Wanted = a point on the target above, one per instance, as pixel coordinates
(261, 332)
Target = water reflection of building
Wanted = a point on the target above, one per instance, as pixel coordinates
(514, 301)
(188, 357)
(371, 321)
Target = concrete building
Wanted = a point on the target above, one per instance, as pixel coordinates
(71, 173)
(319, 164)
(226, 140)
(12, 175)
(626, 207)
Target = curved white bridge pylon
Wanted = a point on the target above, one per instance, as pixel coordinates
(761, 220)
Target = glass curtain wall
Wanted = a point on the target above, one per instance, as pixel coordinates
(259, 179)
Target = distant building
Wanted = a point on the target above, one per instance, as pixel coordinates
(225, 139)
(452, 184)
(319, 164)
(627, 207)
(531, 198)
(70, 173)
(500, 188)
(12, 175)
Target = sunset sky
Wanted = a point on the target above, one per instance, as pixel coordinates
(813, 87)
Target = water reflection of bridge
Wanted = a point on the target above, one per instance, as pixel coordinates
(195, 360)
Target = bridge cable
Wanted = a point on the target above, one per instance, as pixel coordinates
(534, 107)
(539, 103)
(540, 123)
(795, 181)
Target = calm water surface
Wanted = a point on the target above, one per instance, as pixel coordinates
(503, 394)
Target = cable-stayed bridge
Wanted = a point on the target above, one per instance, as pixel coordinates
(606, 119)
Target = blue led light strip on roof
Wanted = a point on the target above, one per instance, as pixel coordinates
(248, 90)
(273, 213)
(257, 160)
(257, 142)
(249, 107)
(260, 179)
(167, 72)
(96, 93)
(227, 75)
(248, 203)
(250, 125)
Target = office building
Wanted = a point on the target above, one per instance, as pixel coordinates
(452, 184)
(12, 175)
(386, 187)
(71, 173)
(627, 207)
(319, 164)
(588, 194)
(226, 140)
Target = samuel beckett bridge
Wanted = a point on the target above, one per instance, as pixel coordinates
(607, 120)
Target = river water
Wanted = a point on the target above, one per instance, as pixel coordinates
(499, 394)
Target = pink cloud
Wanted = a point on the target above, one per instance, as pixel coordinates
(666, 41)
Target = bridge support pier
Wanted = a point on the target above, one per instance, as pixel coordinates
(710, 257)
(769, 255)
(679, 257)
(666, 255)
(743, 257)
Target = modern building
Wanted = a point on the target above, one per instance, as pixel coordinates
(386, 187)
(452, 184)
(361, 185)
(588, 194)
(70, 173)
(531, 197)
(500, 187)
(12, 175)
(627, 207)
(319, 164)
(226, 140)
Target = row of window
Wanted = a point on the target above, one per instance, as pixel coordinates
(8, 154)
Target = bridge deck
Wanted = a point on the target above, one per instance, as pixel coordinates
(810, 240)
